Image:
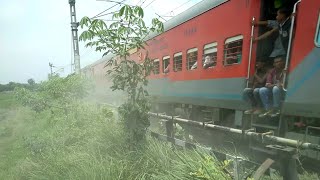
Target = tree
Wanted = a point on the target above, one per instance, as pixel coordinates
(31, 82)
(127, 32)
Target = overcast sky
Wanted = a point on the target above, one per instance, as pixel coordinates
(36, 32)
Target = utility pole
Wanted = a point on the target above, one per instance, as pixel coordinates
(51, 65)
(74, 30)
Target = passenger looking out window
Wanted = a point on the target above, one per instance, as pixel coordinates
(273, 89)
(208, 62)
(233, 50)
(251, 94)
(281, 26)
(210, 55)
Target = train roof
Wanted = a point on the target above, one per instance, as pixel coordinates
(194, 11)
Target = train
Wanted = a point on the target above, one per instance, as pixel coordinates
(212, 28)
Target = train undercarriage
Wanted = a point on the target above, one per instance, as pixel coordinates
(301, 129)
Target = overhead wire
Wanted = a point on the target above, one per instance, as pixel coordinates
(89, 51)
(143, 3)
(149, 4)
(177, 7)
(109, 8)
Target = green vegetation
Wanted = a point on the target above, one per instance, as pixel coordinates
(12, 85)
(7, 100)
(81, 140)
(84, 142)
(127, 32)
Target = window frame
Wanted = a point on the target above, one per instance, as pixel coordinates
(213, 45)
(191, 50)
(231, 40)
(156, 60)
(317, 34)
(174, 64)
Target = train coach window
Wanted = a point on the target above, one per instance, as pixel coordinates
(317, 35)
(233, 50)
(192, 55)
(177, 62)
(156, 66)
(165, 64)
(211, 51)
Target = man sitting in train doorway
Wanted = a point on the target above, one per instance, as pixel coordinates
(272, 94)
(251, 95)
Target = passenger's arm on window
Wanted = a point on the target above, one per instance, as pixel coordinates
(166, 70)
(261, 23)
(265, 35)
(272, 24)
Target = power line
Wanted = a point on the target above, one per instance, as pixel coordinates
(107, 14)
(138, 2)
(160, 17)
(178, 7)
(149, 4)
(143, 3)
(109, 8)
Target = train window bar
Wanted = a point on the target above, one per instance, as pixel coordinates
(211, 51)
(233, 50)
(165, 63)
(156, 66)
(192, 56)
(317, 35)
(177, 62)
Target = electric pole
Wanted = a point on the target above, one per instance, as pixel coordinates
(51, 65)
(74, 30)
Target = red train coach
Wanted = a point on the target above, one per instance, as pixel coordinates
(222, 29)
(209, 28)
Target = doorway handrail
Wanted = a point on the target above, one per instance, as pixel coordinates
(250, 51)
(289, 44)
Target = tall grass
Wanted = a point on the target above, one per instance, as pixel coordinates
(88, 143)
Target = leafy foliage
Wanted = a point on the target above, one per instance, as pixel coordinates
(31, 82)
(58, 93)
(127, 32)
(12, 85)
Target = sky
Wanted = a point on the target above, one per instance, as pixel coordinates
(36, 32)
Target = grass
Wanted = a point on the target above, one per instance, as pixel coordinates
(7, 100)
(88, 143)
